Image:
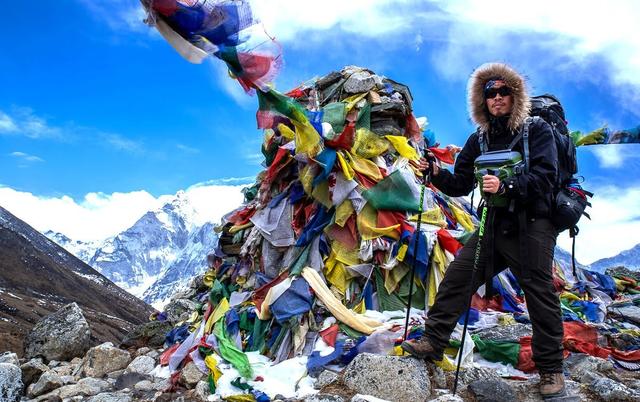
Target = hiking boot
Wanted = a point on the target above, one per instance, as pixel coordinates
(551, 384)
(421, 348)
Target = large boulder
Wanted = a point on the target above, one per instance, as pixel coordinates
(62, 335)
(610, 390)
(388, 377)
(104, 359)
(10, 382)
(85, 387)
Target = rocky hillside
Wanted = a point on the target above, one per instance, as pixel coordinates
(37, 277)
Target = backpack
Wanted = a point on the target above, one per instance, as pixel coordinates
(570, 200)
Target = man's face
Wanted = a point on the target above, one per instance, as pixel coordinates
(499, 103)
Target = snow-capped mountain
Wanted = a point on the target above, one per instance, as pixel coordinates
(159, 253)
(83, 250)
(191, 262)
(628, 258)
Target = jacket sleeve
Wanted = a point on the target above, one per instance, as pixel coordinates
(460, 182)
(543, 166)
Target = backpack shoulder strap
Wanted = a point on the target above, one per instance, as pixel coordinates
(524, 134)
(481, 141)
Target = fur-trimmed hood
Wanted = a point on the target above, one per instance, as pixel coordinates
(475, 94)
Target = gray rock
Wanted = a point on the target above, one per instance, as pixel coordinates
(65, 369)
(585, 368)
(177, 310)
(447, 398)
(47, 382)
(506, 333)
(111, 397)
(528, 391)
(438, 376)
(150, 334)
(68, 379)
(154, 354)
(32, 370)
(325, 378)
(359, 82)
(103, 359)
(366, 398)
(190, 375)
(611, 390)
(10, 382)
(141, 364)
(473, 374)
(324, 398)
(144, 385)
(10, 357)
(115, 374)
(129, 380)
(629, 313)
(142, 351)
(201, 391)
(491, 391)
(388, 377)
(85, 387)
(62, 335)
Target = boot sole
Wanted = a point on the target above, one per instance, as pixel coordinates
(557, 395)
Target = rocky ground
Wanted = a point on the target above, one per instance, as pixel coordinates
(64, 368)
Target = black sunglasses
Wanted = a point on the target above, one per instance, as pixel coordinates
(492, 92)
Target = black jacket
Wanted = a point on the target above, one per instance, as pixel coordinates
(532, 191)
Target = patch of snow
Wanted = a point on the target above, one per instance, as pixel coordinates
(14, 296)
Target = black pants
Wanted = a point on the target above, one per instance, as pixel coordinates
(542, 302)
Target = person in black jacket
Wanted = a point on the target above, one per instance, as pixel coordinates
(520, 237)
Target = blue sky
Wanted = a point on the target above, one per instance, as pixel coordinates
(94, 104)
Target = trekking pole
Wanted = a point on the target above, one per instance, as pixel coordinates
(426, 179)
(476, 260)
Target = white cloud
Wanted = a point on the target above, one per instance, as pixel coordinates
(614, 224)
(616, 156)
(6, 123)
(24, 157)
(121, 143)
(24, 122)
(98, 215)
(119, 15)
(187, 149)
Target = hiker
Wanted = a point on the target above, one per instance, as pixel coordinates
(499, 105)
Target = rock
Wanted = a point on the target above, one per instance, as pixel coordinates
(68, 379)
(324, 398)
(388, 377)
(144, 385)
(32, 370)
(129, 380)
(201, 391)
(150, 334)
(366, 398)
(437, 375)
(325, 378)
(585, 368)
(65, 369)
(611, 390)
(177, 310)
(528, 391)
(506, 333)
(10, 382)
(48, 381)
(473, 374)
(623, 271)
(447, 398)
(103, 359)
(154, 354)
(629, 313)
(190, 375)
(115, 374)
(85, 387)
(10, 357)
(142, 351)
(111, 397)
(359, 82)
(491, 391)
(141, 364)
(62, 335)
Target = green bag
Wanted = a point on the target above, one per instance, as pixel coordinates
(503, 164)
